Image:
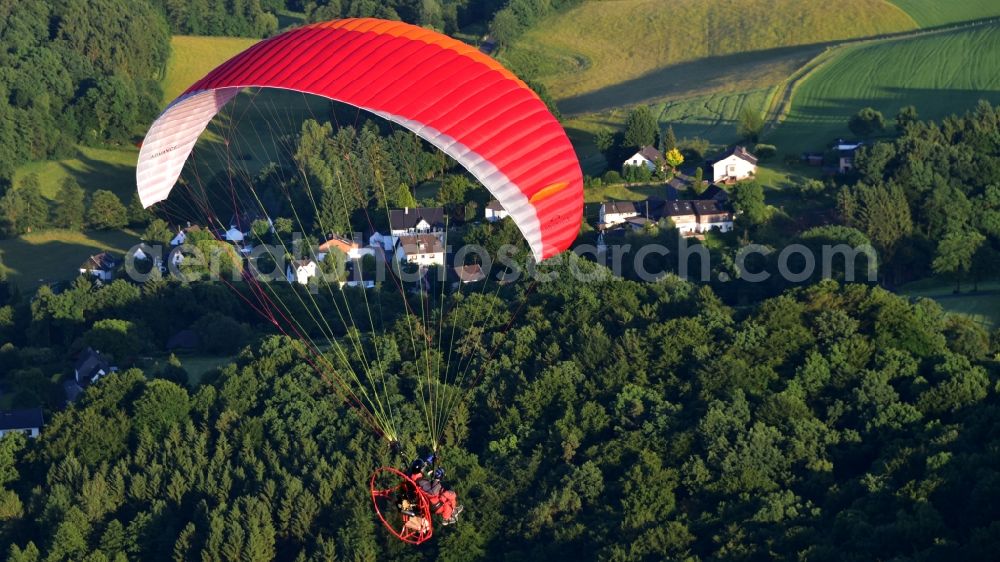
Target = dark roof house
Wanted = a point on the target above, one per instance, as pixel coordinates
(103, 261)
(184, 340)
(410, 218)
(650, 153)
(740, 152)
(91, 366)
(28, 420)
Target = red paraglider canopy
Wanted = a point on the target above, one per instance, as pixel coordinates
(401, 505)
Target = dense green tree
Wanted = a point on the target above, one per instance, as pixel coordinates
(70, 209)
(906, 116)
(106, 211)
(640, 128)
(749, 125)
(121, 339)
(866, 122)
(748, 200)
(158, 232)
(955, 252)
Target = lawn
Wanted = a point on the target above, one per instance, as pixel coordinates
(598, 51)
(929, 13)
(55, 255)
(941, 74)
(93, 168)
(192, 57)
(196, 365)
(983, 306)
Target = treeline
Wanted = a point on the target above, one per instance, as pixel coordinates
(76, 71)
(616, 421)
(242, 18)
(448, 16)
(25, 209)
(517, 16)
(929, 199)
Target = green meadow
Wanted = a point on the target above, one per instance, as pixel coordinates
(941, 74)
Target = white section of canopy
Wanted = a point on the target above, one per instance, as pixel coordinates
(172, 136)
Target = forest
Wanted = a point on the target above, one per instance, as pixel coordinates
(617, 421)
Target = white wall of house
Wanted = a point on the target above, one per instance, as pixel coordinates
(494, 215)
(733, 167)
(613, 218)
(430, 258)
(422, 226)
(687, 225)
(721, 225)
(101, 274)
(387, 241)
(640, 160)
(300, 273)
(29, 431)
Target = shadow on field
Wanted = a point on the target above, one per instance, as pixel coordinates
(690, 78)
(813, 126)
(95, 174)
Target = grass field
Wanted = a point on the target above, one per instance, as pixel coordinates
(193, 57)
(55, 255)
(595, 48)
(940, 74)
(982, 306)
(93, 168)
(929, 13)
(196, 365)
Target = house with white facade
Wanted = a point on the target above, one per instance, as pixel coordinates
(735, 165)
(616, 212)
(495, 211)
(301, 271)
(416, 220)
(183, 233)
(420, 249)
(352, 249)
(647, 156)
(683, 215)
(101, 266)
(27, 421)
(712, 215)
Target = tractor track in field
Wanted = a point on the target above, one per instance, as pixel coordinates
(780, 103)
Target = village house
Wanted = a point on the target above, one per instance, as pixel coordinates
(846, 151)
(615, 213)
(495, 211)
(735, 165)
(101, 266)
(420, 249)
(712, 215)
(682, 214)
(27, 421)
(90, 367)
(469, 273)
(183, 233)
(640, 223)
(350, 248)
(647, 156)
(416, 220)
(300, 271)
